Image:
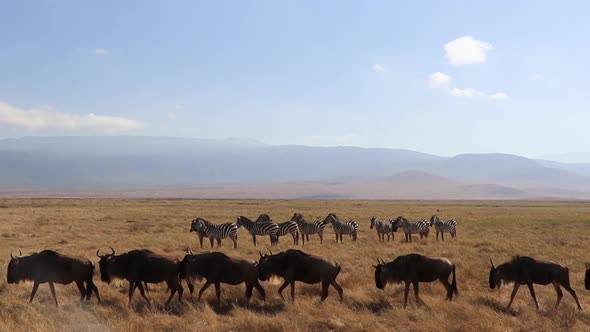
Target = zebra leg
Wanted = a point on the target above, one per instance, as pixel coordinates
(321, 237)
(235, 240)
(211, 239)
(442, 235)
(254, 239)
(201, 240)
(218, 243)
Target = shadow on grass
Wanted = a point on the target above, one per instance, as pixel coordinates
(226, 307)
(376, 306)
(496, 306)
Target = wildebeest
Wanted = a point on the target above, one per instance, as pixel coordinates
(413, 269)
(139, 266)
(294, 265)
(217, 268)
(587, 277)
(52, 267)
(524, 270)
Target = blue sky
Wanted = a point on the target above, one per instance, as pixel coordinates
(512, 75)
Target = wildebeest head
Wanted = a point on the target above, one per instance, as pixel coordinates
(495, 279)
(15, 270)
(182, 267)
(380, 274)
(106, 265)
(270, 265)
(587, 278)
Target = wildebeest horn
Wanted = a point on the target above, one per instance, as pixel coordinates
(11, 254)
(260, 253)
(492, 263)
(113, 250)
(20, 253)
(97, 253)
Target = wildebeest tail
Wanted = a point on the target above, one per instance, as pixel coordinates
(90, 286)
(454, 284)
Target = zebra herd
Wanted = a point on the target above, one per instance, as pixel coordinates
(298, 228)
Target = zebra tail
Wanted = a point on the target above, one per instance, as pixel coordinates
(454, 283)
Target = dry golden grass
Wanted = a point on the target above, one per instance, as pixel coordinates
(546, 230)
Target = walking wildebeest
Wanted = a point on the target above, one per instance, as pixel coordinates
(524, 270)
(294, 265)
(415, 268)
(52, 267)
(587, 276)
(139, 266)
(217, 268)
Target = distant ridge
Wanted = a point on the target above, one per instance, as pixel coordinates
(134, 166)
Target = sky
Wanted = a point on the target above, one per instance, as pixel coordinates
(442, 77)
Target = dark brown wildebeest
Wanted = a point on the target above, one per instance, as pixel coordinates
(414, 269)
(294, 265)
(524, 270)
(587, 276)
(52, 267)
(141, 266)
(217, 268)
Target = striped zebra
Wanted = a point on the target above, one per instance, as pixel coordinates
(215, 231)
(260, 228)
(307, 228)
(417, 227)
(383, 228)
(287, 227)
(442, 226)
(349, 227)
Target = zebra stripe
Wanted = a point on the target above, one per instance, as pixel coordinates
(259, 228)
(417, 227)
(442, 226)
(216, 231)
(383, 228)
(340, 228)
(309, 228)
(287, 227)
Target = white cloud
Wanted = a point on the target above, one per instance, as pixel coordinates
(439, 80)
(535, 77)
(466, 50)
(465, 93)
(378, 68)
(498, 96)
(101, 51)
(39, 118)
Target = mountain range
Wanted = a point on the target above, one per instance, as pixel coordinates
(133, 166)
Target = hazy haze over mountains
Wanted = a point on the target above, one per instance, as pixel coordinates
(128, 166)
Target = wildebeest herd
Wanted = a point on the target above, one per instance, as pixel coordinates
(143, 267)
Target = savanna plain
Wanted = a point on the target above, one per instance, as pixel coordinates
(557, 231)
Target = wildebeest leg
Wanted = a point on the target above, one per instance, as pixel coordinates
(532, 290)
(34, 291)
(448, 287)
(82, 290)
(249, 289)
(172, 292)
(559, 293)
(573, 293)
(142, 292)
(205, 286)
(285, 284)
(416, 291)
(338, 289)
(191, 287)
(52, 287)
(406, 291)
(218, 293)
(516, 286)
(90, 288)
(325, 286)
(260, 290)
(132, 285)
(293, 290)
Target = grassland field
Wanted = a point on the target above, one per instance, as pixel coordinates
(557, 231)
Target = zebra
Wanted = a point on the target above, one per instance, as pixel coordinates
(417, 227)
(442, 226)
(349, 227)
(200, 233)
(307, 228)
(216, 231)
(287, 227)
(383, 228)
(260, 228)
